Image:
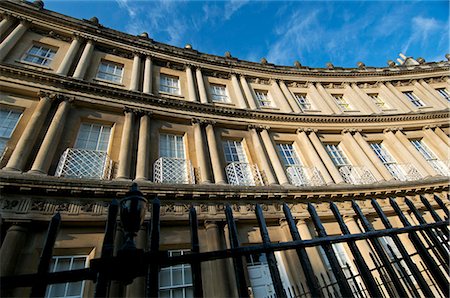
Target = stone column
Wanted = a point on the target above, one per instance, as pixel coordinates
(64, 67)
(290, 257)
(137, 288)
(430, 95)
(373, 157)
(261, 155)
(123, 171)
(51, 140)
(148, 75)
(432, 91)
(11, 248)
(84, 61)
(289, 97)
(273, 156)
(135, 72)
(238, 92)
(440, 147)
(280, 98)
(407, 107)
(364, 104)
(365, 98)
(359, 154)
(29, 136)
(320, 103)
(417, 158)
(248, 93)
(11, 40)
(201, 85)
(326, 158)
(305, 142)
(5, 24)
(190, 84)
(218, 169)
(441, 134)
(328, 99)
(201, 153)
(143, 153)
(219, 287)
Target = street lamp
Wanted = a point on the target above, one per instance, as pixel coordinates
(132, 212)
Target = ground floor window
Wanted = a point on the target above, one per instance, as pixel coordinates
(176, 281)
(70, 289)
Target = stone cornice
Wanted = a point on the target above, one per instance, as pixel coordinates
(57, 22)
(112, 95)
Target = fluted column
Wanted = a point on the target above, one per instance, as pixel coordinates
(325, 158)
(135, 72)
(328, 99)
(126, 145)
(440, 147)
(143, 153)
(280, 98)
(11, 40)
(312, 154)
(359, 154)
(373, 157)
(190, 84)
(262, 157)
(238, 92)
(248, 93)
(148, 75)
(84, 61)
(201, 153)
(5, 24)
(218, 169)
(417, 158)
(365, 99)
(64, 67)
(29, 136)
(201, 85)
(273, 156)
(11, 248)
(292, 102)
(51, 140)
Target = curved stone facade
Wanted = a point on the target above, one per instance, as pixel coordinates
(87, 109)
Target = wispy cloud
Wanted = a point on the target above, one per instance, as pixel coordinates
(421, 29)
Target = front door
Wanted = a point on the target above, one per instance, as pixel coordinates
(259, 275)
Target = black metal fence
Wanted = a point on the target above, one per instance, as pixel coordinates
(395, 273)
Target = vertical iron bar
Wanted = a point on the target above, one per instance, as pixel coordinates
(434, 214)
(346, 291)
(406, 257)
(196, 266)
(359, 260)
(102, 286)
(441, 204)
(429, 277)
(312, 283)
(384, 280)
(441, 280)
(437, 243)
(326, 285)
(39, 289)
(380, 252)
(409, 283)
(152, 279)
(237, 260)
(272, 262)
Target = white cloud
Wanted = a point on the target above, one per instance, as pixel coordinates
(421, 29)
(233, 6)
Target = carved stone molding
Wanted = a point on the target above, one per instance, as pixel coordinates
(258, 127)
(431, 126)
(351, 130)
(392, 129)
(306, 130)
(203, 122)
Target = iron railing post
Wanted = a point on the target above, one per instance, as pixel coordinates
(434, 214)
(442, 205)
(152, 280)
(39, 288)
(196, 266)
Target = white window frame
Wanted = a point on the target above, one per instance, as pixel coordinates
(426, 152)
(169, 84)
(379, 102)
(337, 155)
(44, 52)
(104, 129)
(288, 154)
(7, 127)
(72, 257)
(113, 72)
(174, 145)
(219, 93)
(263, 98)
(414, 99)
(444, 93)
(386, 158)
(235, 150)
(183, 285)
(343, 104)
(303, 101)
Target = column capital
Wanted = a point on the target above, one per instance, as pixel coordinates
(141, 113)
(137, 53)
(431, 126)
(127, 110)
(392, 129)
(306, 130)
(258, 127)
(202, 121)
(352, 131)
(212, 224)
(77, 36)
(348, 217)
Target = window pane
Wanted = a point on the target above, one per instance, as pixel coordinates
(110, 71)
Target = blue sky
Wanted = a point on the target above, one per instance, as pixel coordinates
(313, 32)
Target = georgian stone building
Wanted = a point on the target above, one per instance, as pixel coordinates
(85, 110)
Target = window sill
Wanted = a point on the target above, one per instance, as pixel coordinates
(34, 65)
(424, 108)
(388, 110)
(351, 111)
(269, 108)
(311, 111)
(177, 96)
(225, 104)
(105, 82)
